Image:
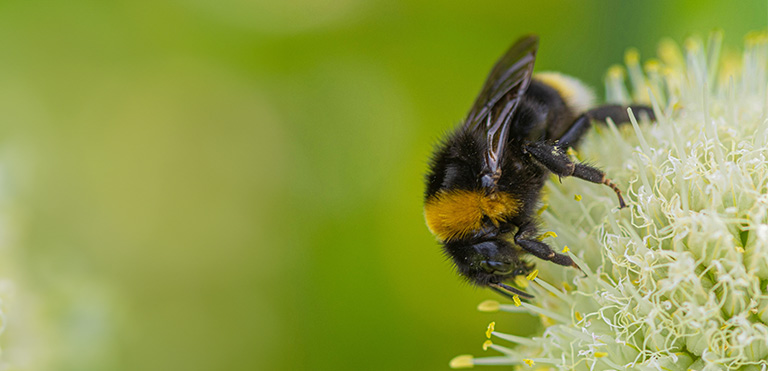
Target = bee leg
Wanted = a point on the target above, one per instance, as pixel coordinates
(616, 112)
(575, 132)
(556, 161)
(540, 249)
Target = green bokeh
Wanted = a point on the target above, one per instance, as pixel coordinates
(204, 185)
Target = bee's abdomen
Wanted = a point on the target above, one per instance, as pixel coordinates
(577, 96)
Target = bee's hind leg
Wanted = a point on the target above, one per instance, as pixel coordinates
(540, 249)
(618, 113)
(615, 112)
(575, 132)
(556, 161)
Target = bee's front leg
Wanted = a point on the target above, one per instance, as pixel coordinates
(556, 161)
(538, 248)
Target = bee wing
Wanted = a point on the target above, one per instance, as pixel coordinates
(498, 100)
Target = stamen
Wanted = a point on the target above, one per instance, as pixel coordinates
(486, 344)
(489, 331)
(462, 361)
(489, 306)
(529, 362)
(532, 276)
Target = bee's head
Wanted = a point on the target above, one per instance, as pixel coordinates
(489, 262)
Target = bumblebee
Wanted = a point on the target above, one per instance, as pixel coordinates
(485, 178)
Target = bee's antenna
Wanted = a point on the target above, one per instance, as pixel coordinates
(505, 289)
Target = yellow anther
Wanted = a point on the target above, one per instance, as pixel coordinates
(463, 361)
(692, 45)
(517, 301)
(529, 362)
(578, 316)
(670, 53)
(577, 197)
(489, 331)
(532, 276)
(616, 72)
(600, 354)
(632, 57)
(755, 37)
(547, 234)
(652, 65)
(486, 344)
(488, 306)
(566, 249)
(542, 209)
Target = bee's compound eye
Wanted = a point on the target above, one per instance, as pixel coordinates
(496, 267)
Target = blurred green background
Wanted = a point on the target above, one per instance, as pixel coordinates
(236, 185)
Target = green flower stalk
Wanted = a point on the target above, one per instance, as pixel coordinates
(679, 279)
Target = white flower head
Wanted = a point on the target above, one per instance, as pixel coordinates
(678, 280)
